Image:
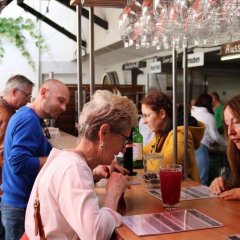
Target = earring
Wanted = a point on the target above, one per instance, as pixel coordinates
(102, 145)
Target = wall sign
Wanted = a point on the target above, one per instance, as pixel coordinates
(196, 59)
(230, 49)
(132, 65)
(156, 67)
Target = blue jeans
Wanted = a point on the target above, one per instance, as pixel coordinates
(2, 231)
(13, 221)
(202, 157)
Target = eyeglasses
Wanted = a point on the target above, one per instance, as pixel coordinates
(125, 138)
(146, 115)
(27, 95)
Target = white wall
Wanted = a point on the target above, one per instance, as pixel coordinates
(13, 62)
(62, 50)
(226, 86)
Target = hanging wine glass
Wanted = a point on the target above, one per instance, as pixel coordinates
(234, 15)
(198, 23)
(162, 22)
(129, 22)
(218, 23)
(161, 14)
(147, 24)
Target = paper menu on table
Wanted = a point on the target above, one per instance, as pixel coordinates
(103, 183)
(188, 193)
(169, 222)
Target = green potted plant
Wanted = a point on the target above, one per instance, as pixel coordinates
(14, 29)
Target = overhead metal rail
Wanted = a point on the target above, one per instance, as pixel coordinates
(48, 21)
(4, 3)
(85, 13)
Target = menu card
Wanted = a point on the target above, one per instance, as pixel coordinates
(103, 183)
(188, 193)
(169, 222)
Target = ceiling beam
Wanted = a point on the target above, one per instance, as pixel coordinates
(48, 21)
(100, 3)
(4, 3)
(85, 13)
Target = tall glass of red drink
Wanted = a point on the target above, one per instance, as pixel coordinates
(170, 178)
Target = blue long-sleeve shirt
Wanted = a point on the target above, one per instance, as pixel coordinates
(24, 143)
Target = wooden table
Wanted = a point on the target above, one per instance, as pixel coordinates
(138, 201)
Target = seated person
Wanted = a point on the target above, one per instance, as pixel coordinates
(65, 185)
(203, 112)
(229, 188)
(145, 131)
(157, 114)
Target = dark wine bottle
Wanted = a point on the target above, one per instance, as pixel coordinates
(128, 156)
(137, 148)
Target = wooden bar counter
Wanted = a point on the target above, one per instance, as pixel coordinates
(66, 141)
(139, 201)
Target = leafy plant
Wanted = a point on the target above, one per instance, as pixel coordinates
(14, 29)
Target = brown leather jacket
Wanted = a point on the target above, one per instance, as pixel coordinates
(6, 111)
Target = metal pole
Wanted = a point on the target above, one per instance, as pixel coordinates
(146, 84)
(186, 109)
(79, 59)
(50, 121)
(174, 82)
(91, 42)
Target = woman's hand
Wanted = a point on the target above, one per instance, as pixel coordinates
(104, 171)
(233, 194)
(116, 168)
(101, 171)
(116, 186)
(218, 185)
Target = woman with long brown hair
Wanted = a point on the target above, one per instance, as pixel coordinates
(229, 188)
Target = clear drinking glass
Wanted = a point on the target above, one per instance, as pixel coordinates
(129, 22)
(152, 162)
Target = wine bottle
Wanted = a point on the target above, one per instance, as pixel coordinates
(137, 148)
(128, 156)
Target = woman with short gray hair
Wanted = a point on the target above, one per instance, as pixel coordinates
(65, 185)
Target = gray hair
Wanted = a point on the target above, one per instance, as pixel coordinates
(110, 108)
(19, 82)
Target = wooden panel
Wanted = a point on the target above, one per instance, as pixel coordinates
(67, 120)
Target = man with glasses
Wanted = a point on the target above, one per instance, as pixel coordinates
(16, 94)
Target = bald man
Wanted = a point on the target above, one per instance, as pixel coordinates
(25, 151)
